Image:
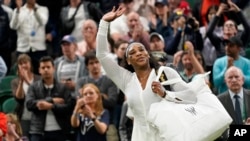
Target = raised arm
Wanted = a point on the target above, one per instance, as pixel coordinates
(111, 67)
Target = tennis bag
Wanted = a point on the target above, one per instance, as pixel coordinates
(205, 120)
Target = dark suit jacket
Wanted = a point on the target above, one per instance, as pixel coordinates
(228, 104)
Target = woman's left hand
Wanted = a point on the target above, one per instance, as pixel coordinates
(158, 88)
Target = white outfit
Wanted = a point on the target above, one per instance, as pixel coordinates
(30, 26)
(139, 100)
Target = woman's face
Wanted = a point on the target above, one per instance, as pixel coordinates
(90, 95)
(25, 65)
(229, 29)
(121, 50)
(137, 55)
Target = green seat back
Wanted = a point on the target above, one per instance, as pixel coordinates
(9, 105)
(5, 84)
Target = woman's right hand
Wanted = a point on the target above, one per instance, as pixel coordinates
(110, 16)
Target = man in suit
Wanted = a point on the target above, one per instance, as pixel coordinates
(234, 80)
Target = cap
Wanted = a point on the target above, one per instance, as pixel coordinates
(68, 39)
(155, 34)
(176, 15)
(235, 40)
(185, 7)
(163, 2)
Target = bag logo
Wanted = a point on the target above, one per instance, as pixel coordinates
(191, 110)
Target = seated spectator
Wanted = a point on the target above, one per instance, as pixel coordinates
(70, 66)
(234, 79)
(89, 31)
(3, 68)
(232, 58)
(20, 87)
(14, 130)
(3, 125)
(89, 116)
(230, 28)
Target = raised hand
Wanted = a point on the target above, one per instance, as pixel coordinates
(110, 16)
(233, 6)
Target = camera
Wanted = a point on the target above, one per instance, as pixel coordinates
(191, 23)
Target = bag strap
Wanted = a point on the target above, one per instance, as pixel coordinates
(73, 16)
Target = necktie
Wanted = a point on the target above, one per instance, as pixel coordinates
(237, 110)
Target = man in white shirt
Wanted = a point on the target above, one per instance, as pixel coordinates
(29, 21)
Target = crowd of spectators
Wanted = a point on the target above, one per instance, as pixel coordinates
(191, 36)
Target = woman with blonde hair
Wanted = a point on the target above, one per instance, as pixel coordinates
(89, 116)
(14, 130)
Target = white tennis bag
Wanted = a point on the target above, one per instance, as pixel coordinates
(205, 120)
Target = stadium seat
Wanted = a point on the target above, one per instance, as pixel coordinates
(5, 84)
(9, 105)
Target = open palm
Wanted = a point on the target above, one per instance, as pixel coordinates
(110, 16)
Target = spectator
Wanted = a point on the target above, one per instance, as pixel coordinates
(229, 28)
(108, 90)
(209, 51)
(232, 58)
(89, 115)
(191, 65)
(20, 87)
(51, 105)
(7, 35)
(157, 49)
(3, 125)
(70, 66)
(234, 79)
(89, 31)
(14, 130)
(29, 21)
(160, 23)
(3, 68)
(86, 10)
(136, 31)
(119, 27)
(184, 29)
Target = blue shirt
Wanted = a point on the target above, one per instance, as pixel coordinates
(88, 132)
(220, 67)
